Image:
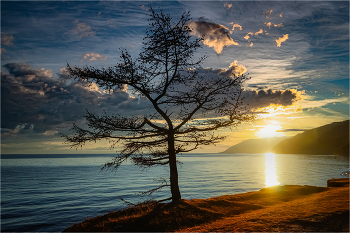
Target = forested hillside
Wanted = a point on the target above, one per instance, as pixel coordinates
(262, 145)
(331, 139)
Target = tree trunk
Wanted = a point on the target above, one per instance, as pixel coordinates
(174, 181)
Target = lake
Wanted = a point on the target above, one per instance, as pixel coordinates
(52, 192)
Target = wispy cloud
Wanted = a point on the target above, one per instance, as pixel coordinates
(310, 103)
(93, 57)
(3, 50)
(111, 23)
(6, 39)
(215, 35)
(281, 39)
(82, 30)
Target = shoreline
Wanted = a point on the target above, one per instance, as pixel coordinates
(278, 208)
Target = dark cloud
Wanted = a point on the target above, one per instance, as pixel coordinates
(215, 35)
(262, 98)
(258, 87)
(33, 100)
(254, 98)
(289, 130)
(233, 69)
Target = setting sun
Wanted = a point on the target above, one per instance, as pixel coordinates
(269, 131)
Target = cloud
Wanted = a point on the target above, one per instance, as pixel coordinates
(237, 69)
(262, 98)
(215, 35)
(255, 99)
(309, 103)
(253, 34)
(33, 100)
(228, 5)
(111, 23)
(143, 7)
(82, 30)
(36, 102)
(281, 39)
(24, 71)
(210, 73)
(268, 13)
(3, 50)
(251, 44)
(269, 24)
(258, 87)
(6, 39)
(290, 130)
(93, 57)
(258, 32)
(64, 74)
(235, 26)
(50, 132)
(234, 69)
(281, 15)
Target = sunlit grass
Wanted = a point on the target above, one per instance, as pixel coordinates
(278, 208)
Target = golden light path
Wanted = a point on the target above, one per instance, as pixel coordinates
(271, 179)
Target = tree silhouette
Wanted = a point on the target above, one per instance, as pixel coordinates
(186, 106)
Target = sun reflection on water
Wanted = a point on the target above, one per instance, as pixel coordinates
(270, 171)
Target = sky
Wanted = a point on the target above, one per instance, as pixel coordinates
(296, 53)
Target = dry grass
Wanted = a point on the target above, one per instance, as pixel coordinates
(325, 211)
(281, 208)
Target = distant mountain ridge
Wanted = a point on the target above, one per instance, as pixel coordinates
(261, 145)
(331, 139)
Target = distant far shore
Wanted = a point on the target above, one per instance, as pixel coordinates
(288, 208)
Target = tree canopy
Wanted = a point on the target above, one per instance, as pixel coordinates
(187, 105)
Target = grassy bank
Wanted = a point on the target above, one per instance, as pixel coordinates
(279, 208)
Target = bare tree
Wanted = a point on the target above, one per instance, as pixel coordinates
(186, 106)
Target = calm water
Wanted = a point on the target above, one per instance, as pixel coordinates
(53, 193)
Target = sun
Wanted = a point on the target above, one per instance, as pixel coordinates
(269, 131)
